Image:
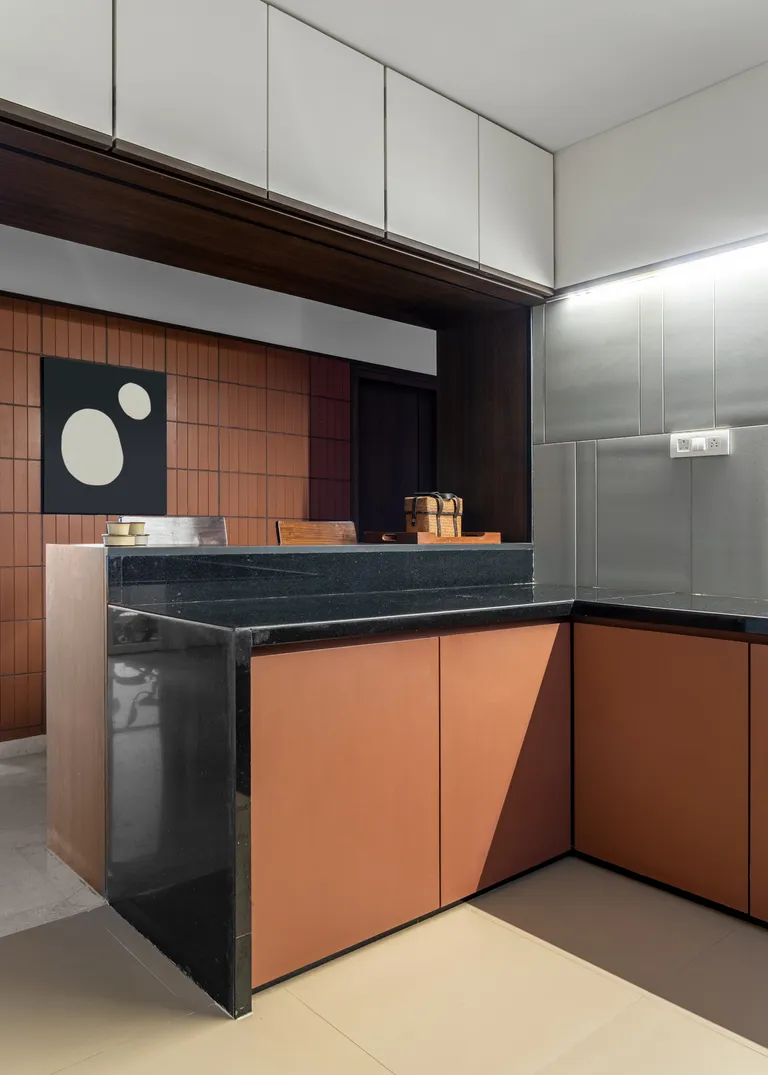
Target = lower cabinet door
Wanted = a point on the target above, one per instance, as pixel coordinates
(661, 757)
(344, 797)
(505, 753)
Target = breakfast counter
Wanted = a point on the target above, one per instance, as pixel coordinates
(353, 739)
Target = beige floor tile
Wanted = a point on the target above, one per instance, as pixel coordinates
(654, 1038)
(282, 1037)
(69, 989)
(728, 984)
(459, 994)
(154, 960)
(631, 929)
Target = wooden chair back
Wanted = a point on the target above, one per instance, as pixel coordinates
(296, 532)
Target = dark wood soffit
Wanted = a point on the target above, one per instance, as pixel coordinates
(86, 195)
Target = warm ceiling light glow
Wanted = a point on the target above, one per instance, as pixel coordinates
(715, 267)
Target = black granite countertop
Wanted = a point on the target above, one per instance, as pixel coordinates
(275, 620)
(315, 617)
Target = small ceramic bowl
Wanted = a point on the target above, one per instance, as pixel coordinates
(119, 539)
(121, 529)
(136, 528)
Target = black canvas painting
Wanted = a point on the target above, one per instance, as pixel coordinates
(104, 439)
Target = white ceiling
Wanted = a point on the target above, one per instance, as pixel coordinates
(553, 71)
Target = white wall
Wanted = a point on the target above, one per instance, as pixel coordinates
(690, 176)
(42, 267)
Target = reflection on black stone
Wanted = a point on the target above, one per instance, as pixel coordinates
(171, 791)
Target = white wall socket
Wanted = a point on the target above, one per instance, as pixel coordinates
(700, 442)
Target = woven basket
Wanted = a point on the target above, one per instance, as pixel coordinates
(434, 513)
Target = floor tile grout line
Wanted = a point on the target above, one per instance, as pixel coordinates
(593, 1032)
(718, 1028)
(339, 1031)
(549, 946)
(107, 1048)
(141, 961)
(683, 1013)
(594, 966)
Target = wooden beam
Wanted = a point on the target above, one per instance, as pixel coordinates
(91, 196)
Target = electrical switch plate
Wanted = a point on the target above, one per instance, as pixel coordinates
(700, 442)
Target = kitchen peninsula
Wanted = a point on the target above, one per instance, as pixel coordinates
(276, 755)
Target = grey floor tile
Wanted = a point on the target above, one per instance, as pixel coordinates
(638, 932)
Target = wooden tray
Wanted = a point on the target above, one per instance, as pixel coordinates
(379, 537)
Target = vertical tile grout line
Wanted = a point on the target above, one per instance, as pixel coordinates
(575, 511)
(663, 376)
(640, 363)
(596, 556)
(714, 352)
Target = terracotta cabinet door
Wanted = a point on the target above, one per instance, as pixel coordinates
(758, 892)
(505, 753)
(344, 797)
(661, 757)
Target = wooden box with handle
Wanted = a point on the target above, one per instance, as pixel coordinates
(434, 513)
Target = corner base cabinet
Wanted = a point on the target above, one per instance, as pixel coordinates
(661, 757)
(344, 797)
(505, 753)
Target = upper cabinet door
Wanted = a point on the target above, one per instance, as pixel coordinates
(516, 206)
(56, 58)
(432, 151)
(192, 83)
(326, 123)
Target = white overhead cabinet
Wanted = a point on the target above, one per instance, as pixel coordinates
(56, 58)
(191, 80)
(326, 123)
(432, 170)
(516, 206)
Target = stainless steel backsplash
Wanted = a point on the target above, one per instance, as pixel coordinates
(613, 374)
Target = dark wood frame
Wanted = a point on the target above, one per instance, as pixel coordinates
(484, 421)
(366, 371)
(149, 210)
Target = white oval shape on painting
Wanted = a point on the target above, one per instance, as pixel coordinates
(135, 401)
(91, 448)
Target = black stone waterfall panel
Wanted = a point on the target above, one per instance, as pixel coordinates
(171, 780)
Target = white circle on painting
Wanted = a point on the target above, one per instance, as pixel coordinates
(91, 448)
(135, 401)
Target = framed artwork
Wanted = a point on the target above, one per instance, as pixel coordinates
(104, 445)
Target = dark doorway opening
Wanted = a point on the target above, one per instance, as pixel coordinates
(394, 445)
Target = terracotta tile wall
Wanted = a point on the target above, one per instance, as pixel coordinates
(255, 433)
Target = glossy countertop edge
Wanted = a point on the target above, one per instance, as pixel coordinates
(637, 612)
(646, 608)
(367, 626)
(362, 549)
